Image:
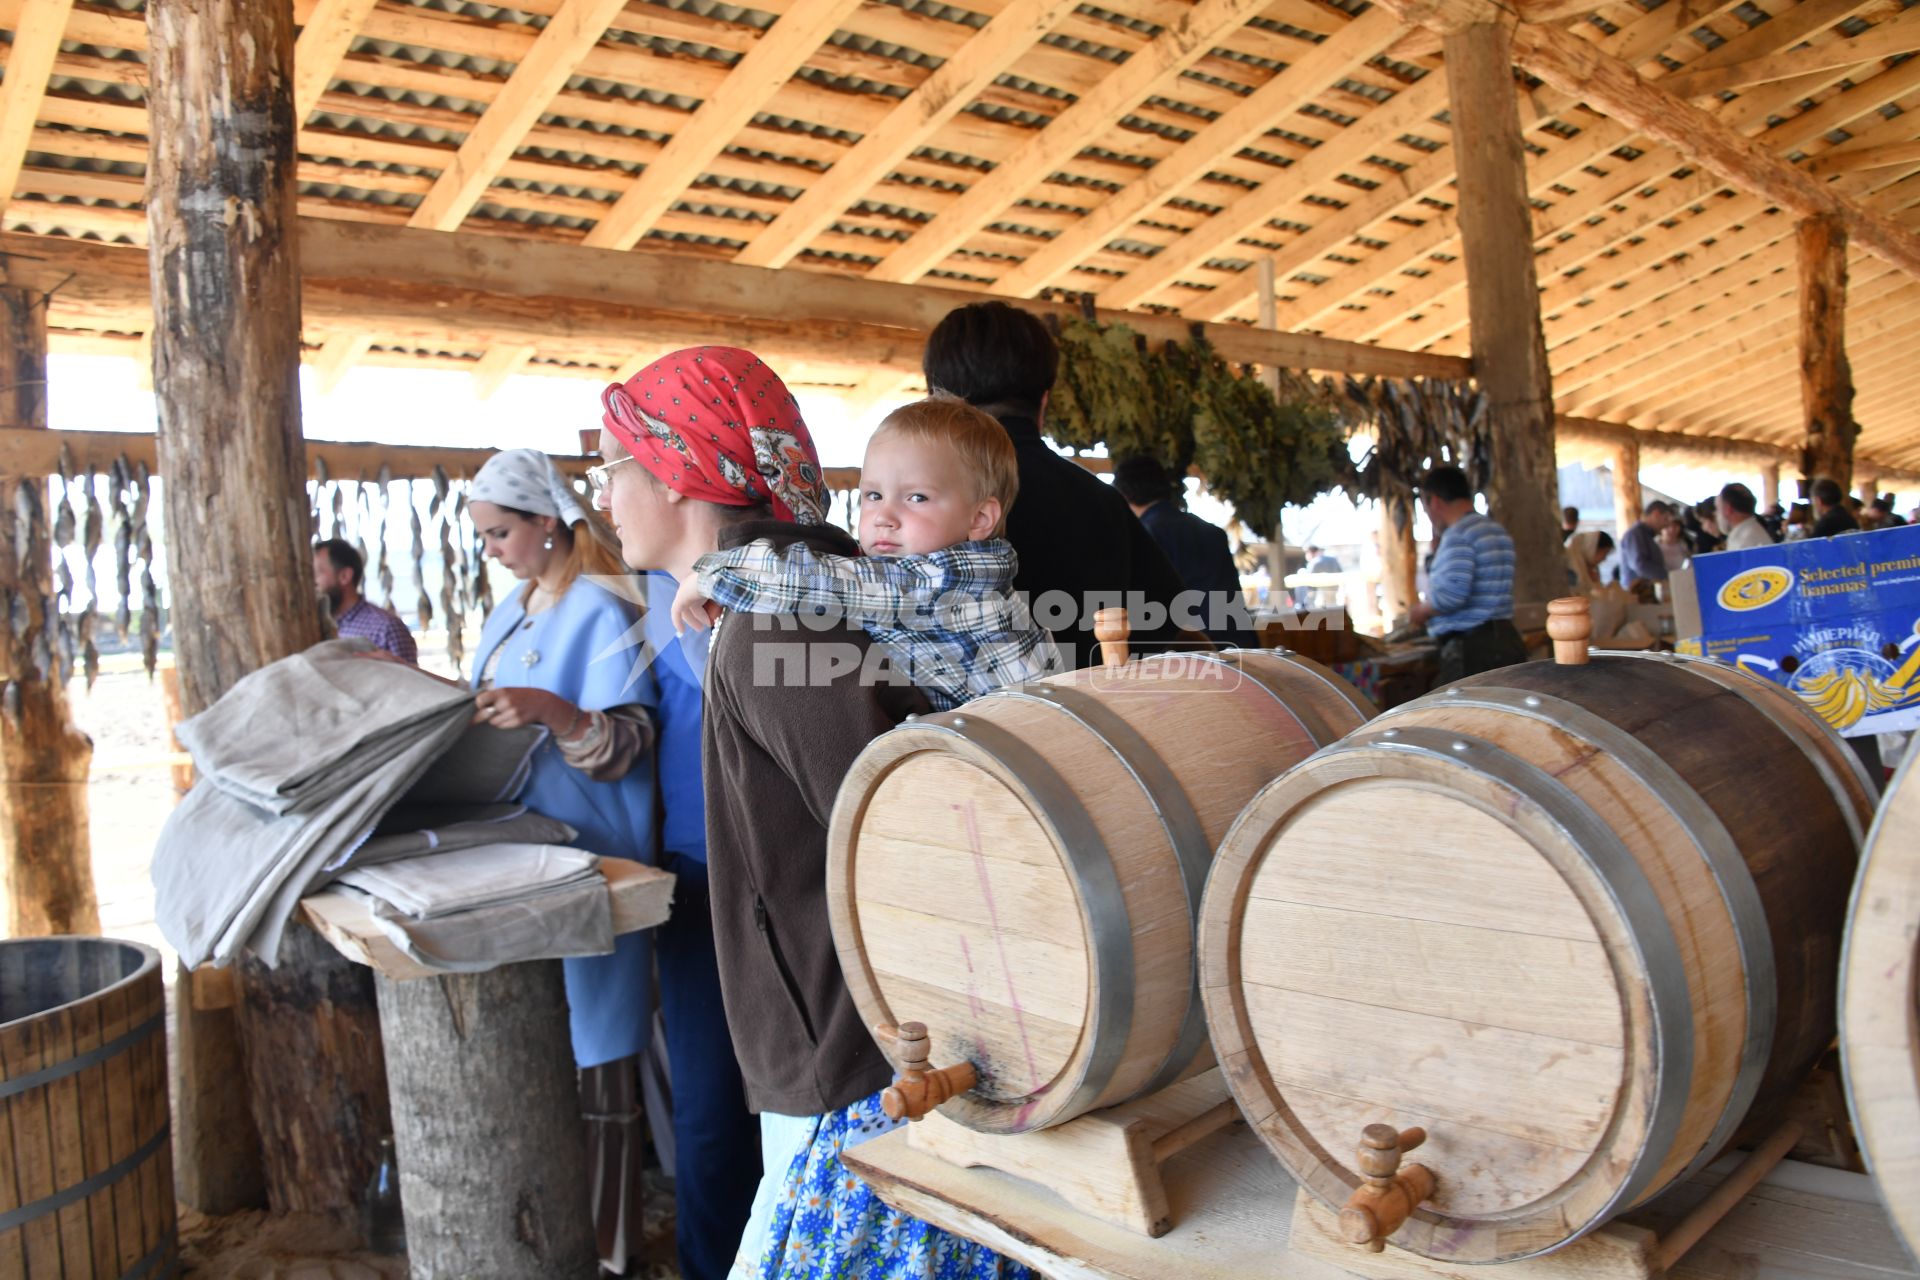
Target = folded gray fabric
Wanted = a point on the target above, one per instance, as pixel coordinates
(485, 765)
(440, 884)
(409, 830)
(297, 732)
(570, 920)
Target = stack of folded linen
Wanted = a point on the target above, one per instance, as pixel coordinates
(471, 909)
(297, 763)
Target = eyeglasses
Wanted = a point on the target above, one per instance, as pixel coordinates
(597, 475)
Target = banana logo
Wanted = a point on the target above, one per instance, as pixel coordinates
(1755, 588)
(1843, 696)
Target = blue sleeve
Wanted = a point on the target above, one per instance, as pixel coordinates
(1450, 580)
(612, 652)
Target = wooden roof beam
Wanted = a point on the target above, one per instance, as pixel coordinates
(325, 36)
(1148, 72)
(570, 35)
(957, 83)
(1887, 156)
(1274, 102)
(1890, 38)
(752, 83)
(1609, 85)
(29, 64)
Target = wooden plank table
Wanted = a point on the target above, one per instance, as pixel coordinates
(486, 1108)
(1233, 1208)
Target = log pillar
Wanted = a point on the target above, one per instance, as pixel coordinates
(1769, 486)
(46, 854)
(487, 1130)
(1399, 558)
(226, 352)
(1869, 488)
(1503, 304)
(1626, 486)
(1826, 380)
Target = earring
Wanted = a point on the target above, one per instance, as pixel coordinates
(549, 542)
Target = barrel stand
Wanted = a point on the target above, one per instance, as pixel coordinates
(486, 1114)
(1106, 1163)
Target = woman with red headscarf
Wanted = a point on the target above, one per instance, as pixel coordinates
(706, 449)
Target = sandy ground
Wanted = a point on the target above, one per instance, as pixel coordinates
(130, 794)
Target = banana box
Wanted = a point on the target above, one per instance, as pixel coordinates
(1836, 620)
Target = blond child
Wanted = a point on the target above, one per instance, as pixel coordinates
(935, 587)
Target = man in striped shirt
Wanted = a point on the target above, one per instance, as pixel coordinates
(1469, 604)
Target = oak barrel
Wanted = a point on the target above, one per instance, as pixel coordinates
(1579, 923)
(87, 1190)
(1022, 873)
(1880, 1002)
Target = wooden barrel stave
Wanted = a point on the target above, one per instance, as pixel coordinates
(89, 1191)
(1880, 1003)
(1690, 825)
(1167, 751)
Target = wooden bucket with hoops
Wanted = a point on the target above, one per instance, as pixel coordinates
(87, 1189)
(1021, 874)
(1578, 923)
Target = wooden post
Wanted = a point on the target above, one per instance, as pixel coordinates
(1626, 486)
(1399, 557)
(487, 1126)
(1769, 487)
(1869, 488)
(226, 343)
(1503, 304)
(1269, 313)
(46, 855)
(1826, 380)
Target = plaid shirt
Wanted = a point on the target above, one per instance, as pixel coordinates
(369, 621)
(950, 619)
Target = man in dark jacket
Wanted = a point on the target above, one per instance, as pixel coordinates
(1830, 513)
(1198, 551)
(1080, 548)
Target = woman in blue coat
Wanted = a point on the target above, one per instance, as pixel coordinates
(564, 651)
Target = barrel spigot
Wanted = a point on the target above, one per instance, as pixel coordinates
(1570, 625)
(918, 1088)
(1390, 1194)
(1111, 628)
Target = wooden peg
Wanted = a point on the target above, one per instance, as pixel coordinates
(1111, 629)
(918, 1088)
(1570, 623)
(1390, 1194)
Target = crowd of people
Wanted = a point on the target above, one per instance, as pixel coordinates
(695, 723)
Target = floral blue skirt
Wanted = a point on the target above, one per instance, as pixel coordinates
(828, 1225)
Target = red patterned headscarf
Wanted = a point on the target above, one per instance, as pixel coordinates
(715, 423)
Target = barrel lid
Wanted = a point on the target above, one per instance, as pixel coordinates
(967, 920)
(1412, 940)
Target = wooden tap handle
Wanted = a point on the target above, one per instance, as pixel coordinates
(918, 1088)
(1570, 624)
(1389, 1194)
(1111, 629)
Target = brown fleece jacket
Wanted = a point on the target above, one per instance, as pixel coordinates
(775, 747)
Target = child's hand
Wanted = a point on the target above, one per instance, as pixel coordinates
(690, 607)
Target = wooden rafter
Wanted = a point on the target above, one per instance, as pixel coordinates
(556, 54)
(1885, 156)
(947, 91)
(1146, 73)
(1356, 44)
(329, 29)
(30, 62)
(1891, 38)
(748, 88)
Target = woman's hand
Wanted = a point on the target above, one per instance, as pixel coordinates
(690, 608)
(511, 708)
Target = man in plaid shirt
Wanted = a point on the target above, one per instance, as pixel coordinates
(935, 588)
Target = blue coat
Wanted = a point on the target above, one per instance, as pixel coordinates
(585, 649)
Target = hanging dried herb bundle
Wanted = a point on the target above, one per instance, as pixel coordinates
(1259, 453)
(1416, 424)
(1113, 390)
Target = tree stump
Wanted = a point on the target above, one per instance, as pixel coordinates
(486, 1116)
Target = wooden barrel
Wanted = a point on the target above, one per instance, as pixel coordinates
(86, 1189)
(1577, 922)
(1022, 873)
(1880, 1002)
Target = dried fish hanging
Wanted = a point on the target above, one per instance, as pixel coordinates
(65, 534)
(362, 521)
(152, 615)
(424, 609)
(92, 529)
(449, 570)
(1416, 422)
(314, 486)
(119, 485)
(483, 581)
(384, 480)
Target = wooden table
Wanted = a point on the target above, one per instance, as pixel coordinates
(486, 1108)
(1233, 1208)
